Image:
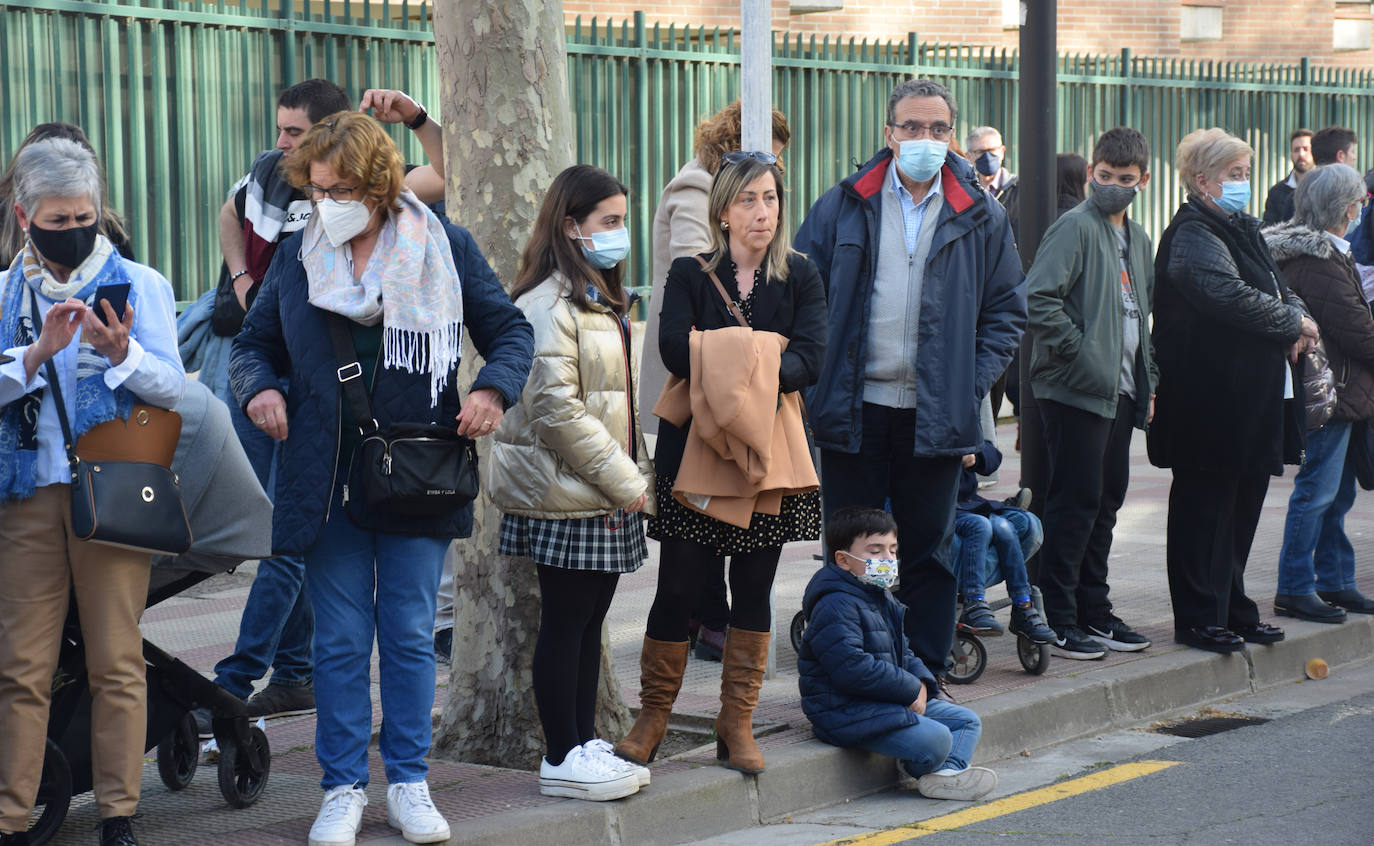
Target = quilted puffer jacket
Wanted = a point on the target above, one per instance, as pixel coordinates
(858, 676)
(1329, 284)
(571, 447)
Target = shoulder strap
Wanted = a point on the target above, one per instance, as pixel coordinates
(350, 373)
(68, 442)
(729, 303)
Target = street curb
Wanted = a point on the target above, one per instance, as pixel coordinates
(701, 802)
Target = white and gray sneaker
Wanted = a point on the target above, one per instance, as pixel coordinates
(340, 817)
(965, 785)
(586, 775)
(409, 808)
(597, 746)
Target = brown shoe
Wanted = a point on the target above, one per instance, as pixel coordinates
(741, 678)
(661, 665)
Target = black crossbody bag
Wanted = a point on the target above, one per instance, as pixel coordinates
(403, 469)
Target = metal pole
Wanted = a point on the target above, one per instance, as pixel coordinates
(1038, 104)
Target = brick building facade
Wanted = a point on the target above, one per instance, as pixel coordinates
(1333, 32)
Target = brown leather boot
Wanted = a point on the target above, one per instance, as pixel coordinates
(741, 678)
(661, 665)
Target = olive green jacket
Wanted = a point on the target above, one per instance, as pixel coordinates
(1074, 313)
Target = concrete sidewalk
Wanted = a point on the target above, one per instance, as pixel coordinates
(690, 797)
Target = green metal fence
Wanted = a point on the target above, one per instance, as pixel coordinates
(177, 98)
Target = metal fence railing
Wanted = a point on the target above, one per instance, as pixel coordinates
(177, 98)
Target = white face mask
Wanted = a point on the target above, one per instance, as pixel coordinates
(879, 572)
(342, 221)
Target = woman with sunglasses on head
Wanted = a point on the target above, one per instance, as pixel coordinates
(569, 469)
(376, 271)
(776, 290)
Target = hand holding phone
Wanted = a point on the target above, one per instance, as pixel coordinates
(118, 297)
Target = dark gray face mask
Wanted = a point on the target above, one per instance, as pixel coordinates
(1112, 199)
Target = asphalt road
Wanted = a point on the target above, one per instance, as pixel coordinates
(1306, 777)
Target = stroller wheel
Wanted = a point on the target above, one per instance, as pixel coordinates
(178, 754)
(1035, 657)
(54, 795)
(970, 659)
(243, 768)
(798, 626)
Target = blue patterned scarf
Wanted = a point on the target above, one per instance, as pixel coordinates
(94, 402)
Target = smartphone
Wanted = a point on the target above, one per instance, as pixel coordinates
(117, 294)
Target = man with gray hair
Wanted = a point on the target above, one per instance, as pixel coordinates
(927, 302)
(985, 148)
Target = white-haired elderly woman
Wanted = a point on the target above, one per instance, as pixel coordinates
(48, 314)
(1225, 329)
(1317, 561)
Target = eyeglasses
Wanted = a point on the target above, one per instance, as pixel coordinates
(314, 192)
(912, 129)
(739, 156)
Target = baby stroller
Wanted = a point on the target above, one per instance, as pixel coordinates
(230, 519)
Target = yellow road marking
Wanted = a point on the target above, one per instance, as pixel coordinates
(1009, 805)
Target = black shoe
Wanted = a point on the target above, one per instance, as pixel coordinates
(1210, 638)
(1116, 636)
(205, 728)
(116, 831)
(1026, 622)
(1021, 499)
(978, 619)
(18, 838)
(1350, 599)
(942, 690)
(1307, 606)
(282, 700)
(1259, 633)
(443, 646)
(1070, 642)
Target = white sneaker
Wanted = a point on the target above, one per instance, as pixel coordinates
(340, 817)
(409, 808)
(966, 785)
(607, 752)
(585, 775)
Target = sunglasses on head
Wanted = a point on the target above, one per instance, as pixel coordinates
(739, 156)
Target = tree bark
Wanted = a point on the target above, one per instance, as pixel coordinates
(507, 133)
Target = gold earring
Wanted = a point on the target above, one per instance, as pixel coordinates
(725, 224)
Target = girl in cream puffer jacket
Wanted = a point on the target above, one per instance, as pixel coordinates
(569, 469)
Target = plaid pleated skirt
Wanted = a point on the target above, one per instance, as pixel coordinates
(611, 543)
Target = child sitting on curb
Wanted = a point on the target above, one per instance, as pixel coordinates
(992, 540)
(861, 685)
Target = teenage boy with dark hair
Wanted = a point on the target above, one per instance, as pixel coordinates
(1093, 372)
(861, 685)
(1335, 145)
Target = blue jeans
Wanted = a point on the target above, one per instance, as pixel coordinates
(1314, 530)
(942, 738)
(277, 625)
(364, 584)
(1335, 557)
(994, 549)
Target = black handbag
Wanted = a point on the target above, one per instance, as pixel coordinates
(405, 470)
(130, 504)
(1360, 454)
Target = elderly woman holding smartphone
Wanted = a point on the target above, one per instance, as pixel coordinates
(57, 320)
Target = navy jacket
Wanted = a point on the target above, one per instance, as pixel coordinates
(284, 336)
(973, 307)
(858, 676)
(987, 459)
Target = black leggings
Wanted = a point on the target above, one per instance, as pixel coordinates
(683, 567)
(567, 656)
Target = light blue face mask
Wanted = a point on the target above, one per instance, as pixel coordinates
(920, 158)
(1235, 196)
(608, 248)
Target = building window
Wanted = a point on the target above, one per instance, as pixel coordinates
(1351, 29)
(1200, 23)
(1013, 14)
(806, 7)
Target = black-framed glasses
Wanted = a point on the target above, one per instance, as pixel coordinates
(337, 194)
(738, 156)
(912, 129)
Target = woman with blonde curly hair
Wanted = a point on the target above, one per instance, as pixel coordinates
(376, 265)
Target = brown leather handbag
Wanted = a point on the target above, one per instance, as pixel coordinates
(148, 436)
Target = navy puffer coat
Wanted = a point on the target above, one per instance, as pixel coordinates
(858, 676)
(285, 336)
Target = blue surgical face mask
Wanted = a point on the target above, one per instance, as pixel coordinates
(608, 248)
(989, 164)
(1235, 196)
(879, 572)
(920, 158)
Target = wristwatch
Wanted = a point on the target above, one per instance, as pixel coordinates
(419, 119)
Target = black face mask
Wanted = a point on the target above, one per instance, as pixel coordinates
(67, 247)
